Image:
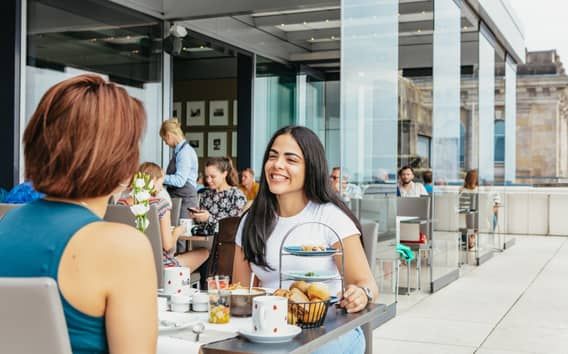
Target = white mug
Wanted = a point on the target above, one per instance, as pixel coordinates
(188, 223)
(270, 315)
(177, 281)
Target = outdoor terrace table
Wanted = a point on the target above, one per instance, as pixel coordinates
(336, 323)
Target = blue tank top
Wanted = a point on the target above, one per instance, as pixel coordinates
(32, 240)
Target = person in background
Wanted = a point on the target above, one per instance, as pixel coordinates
(294, 189)
(191, 259)
(468, 197)
(406, 185)
(181, 174)
(222, 199)
(347, 191)
(427, 178)
(80, 144)
(248, 185)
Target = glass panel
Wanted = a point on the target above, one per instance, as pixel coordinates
(510, 122)
(369, 92)
(446, 135)
(486, 110)
(487, 195)
(274, 103)
(73, 38)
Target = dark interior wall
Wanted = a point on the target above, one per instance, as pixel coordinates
(208, 90)
(10, 37)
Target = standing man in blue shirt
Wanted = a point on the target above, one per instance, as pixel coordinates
(181, 174)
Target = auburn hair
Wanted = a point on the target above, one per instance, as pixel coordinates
(224, 164)
(83, 139)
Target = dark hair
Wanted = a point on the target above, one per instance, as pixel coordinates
(470, 180)
(83, 139)
(427, 177)
(404, 168)
(249, 170)
(261, 217)
(224, 164)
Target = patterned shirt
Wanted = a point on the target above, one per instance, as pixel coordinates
(222, 204)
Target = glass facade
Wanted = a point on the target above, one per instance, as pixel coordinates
(369, 93)
(486, 110)
(73, 38)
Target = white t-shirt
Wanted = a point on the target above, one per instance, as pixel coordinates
(416, 190)
(310, 234)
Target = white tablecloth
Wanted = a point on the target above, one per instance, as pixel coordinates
(183, 341)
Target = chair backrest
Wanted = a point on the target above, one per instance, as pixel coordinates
(419, 207)
(370, 241)
(32, 319)
(6, 207)
(176, 211)
(122, 214)
(223, 250)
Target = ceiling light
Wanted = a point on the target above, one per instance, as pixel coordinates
(305, 23)
(282, 25)
(326, 20)
(419, 30)
(332, 37)
(311, 39)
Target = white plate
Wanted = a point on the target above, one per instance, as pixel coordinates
(165, 326)
(288, 335)
(302, 275)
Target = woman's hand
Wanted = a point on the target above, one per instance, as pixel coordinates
(202, 216)
(354, 299)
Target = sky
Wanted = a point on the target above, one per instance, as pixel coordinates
(545, 24)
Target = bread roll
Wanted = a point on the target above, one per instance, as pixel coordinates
(282, 292)
(318, 291)
(297, 296)
(301, 285)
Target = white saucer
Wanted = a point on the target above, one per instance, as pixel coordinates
(288, 335)
(165, 326)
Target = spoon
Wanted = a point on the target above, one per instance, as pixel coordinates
(251, 282)
(198, 328)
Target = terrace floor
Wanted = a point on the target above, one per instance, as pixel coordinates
(517, 302)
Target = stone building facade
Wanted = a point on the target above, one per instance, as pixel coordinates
(542, 119)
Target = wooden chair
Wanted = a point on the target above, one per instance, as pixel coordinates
(223, 250)
(122, 214)
(32, 318)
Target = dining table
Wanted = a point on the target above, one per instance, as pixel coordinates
(224, 338)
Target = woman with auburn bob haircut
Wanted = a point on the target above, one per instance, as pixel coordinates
(81, 146)
(294, 190)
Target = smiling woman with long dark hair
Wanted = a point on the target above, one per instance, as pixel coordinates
(294, 189)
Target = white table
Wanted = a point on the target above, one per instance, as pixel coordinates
(170, 343)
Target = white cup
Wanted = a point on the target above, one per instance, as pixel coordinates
(200, 302)
(162, 304)
(176, 281)
(270, 315)
(179, 303)
(188, 223)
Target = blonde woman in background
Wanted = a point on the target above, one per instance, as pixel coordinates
(181, 174)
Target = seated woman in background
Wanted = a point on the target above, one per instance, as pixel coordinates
(81, 143)
(161, 199)
(222, 199)
(294, 189)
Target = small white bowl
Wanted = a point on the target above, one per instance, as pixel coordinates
(179, 303)
(200, 302)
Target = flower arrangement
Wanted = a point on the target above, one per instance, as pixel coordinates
(142, 187)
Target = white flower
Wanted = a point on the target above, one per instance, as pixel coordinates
(139, 183)
(142, 196)
(139, 209)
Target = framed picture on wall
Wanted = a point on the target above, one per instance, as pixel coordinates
(218, 113)
(176, 110)
(234, 144)
(195, 113)
(235, 112)
(197, 141)
(216, 144)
